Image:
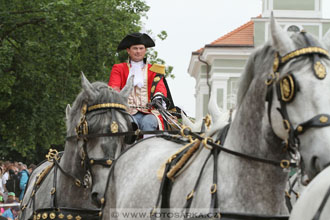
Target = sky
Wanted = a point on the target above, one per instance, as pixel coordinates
(190, 25)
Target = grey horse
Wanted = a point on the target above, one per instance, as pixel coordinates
(65, 187)
(245, 186)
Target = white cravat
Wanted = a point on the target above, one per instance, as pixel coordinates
(136, 70)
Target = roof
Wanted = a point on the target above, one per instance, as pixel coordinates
(242, 36)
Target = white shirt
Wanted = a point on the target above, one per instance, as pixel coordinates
(136, 71)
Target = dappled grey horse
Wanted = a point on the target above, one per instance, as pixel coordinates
(63, 187)
(248, 177)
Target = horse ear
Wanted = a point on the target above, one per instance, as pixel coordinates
(326, 40)
(67, 111)
(195, 127)
(126, 91)
(87, 87)
(186, 121)
(280, 39)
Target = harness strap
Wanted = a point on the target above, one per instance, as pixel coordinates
(190, 196)
(165, 189)
(283, 163)
(319, 121)
(53, 190)
(39, 180)
(214, 195)
(68, 213)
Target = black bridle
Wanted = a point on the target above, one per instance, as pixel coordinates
(286, 88)
(82, 133)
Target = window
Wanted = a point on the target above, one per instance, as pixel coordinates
(293, 28)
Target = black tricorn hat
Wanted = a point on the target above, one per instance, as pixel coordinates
(135, 39)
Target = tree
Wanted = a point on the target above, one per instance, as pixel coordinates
(44, 45)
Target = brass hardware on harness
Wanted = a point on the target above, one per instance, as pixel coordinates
(182, 132)
(137, 132)
(91, 161)
(271, 80)
(300, 128)
(78, 183)
(285, 164)
(109, 162)
(208, 120)
(287, 88)
(82, 127)
(324, 119)
(33, 192)
(286, 125)
(114, 127)
(24, 207)
(102, 201)
(303, 51)
(320, 70)
(34, 217)
(61, 216)
(39, 216)
(52, 154)
(205, 142)
(100, 213)
(69, 217)
(44, 215)
(107, 105)
(156, 79)
(78, 217)
(213, 188)
(52, 191)
(84, 109)
(52, 215)
(287, 194)
(183, 129)
(276, 63)
(218, 215)
(190, 195)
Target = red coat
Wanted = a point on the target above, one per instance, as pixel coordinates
(119, 75)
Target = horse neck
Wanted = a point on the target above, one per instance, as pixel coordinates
(254, 182)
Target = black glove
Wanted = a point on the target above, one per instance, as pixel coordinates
(157, 102)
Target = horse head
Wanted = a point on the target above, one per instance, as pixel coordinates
(98, 121)
(297, 97)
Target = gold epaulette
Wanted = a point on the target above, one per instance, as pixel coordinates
(158, 68)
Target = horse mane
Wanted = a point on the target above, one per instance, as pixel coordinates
(254, 66)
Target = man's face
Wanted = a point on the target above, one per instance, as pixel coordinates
(137, 52)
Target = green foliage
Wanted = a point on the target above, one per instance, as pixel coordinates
(44, 46)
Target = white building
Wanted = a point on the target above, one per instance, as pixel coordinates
(218, 65)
